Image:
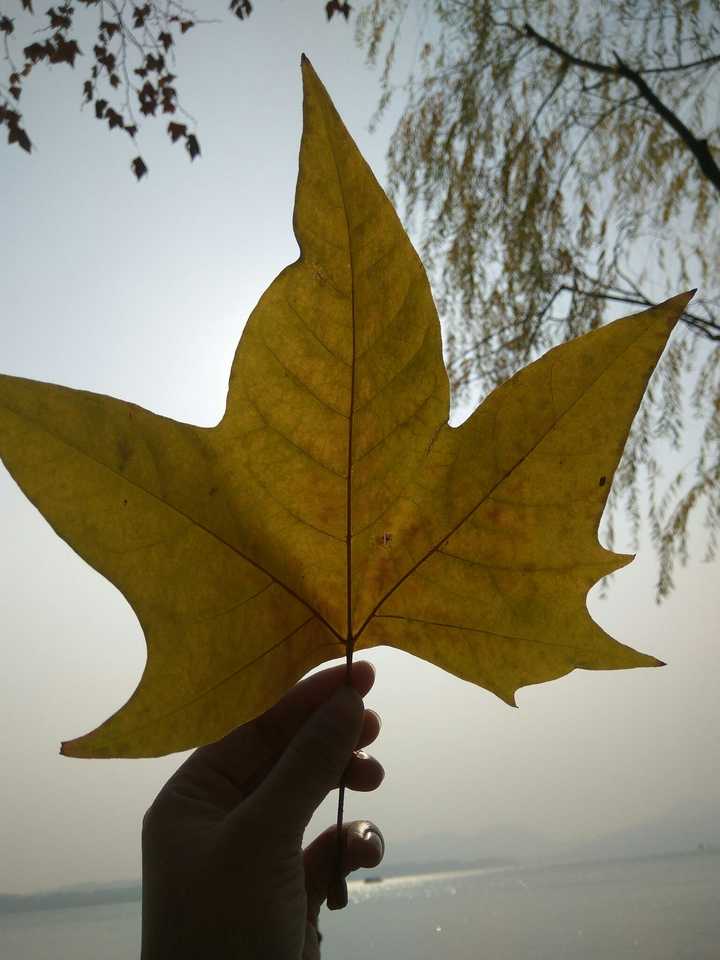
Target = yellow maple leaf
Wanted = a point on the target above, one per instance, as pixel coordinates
(333, 508)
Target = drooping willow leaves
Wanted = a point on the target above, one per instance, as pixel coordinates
(333, 506)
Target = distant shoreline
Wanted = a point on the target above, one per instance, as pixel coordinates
(64, 898)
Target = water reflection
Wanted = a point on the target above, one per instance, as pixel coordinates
(410, 887)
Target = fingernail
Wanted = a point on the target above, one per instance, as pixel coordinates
(375, 839)
(377, 717)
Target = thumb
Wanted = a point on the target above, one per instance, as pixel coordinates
(312, 764)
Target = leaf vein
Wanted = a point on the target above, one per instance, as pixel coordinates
(231, 676)
(181, 513)
(398, 372)
(299, 382)
(489, 633)
(269, 426)
(502, 479)
(519, 568)
(396, 426)
(306, 326)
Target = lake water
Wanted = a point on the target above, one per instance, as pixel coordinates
(666, 908)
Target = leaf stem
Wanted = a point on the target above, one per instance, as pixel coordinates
(337, 897)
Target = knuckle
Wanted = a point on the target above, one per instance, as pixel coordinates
(155, 816)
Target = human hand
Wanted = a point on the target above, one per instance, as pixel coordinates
(225, 876)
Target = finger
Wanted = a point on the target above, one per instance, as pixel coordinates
(363, 773)
(370, 729)
(280, 723)
(238, 762)
(363, 846)
(310, 766)
(274, 729)
(367, 779)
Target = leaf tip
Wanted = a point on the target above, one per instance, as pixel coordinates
(680, 301)
(307, 69)
(686, 297)
(305, 64)
(616, 561)
(68, 748)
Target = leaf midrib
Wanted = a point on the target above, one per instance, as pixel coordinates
(350, 640)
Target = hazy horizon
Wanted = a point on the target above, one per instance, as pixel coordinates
(389, 866)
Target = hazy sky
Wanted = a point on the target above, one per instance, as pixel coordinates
(141, 291)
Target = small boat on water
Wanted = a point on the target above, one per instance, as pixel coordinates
(373, 879)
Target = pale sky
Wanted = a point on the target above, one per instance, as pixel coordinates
(141, 291)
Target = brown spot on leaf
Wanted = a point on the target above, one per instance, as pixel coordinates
(602, 481)
(124, 451)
